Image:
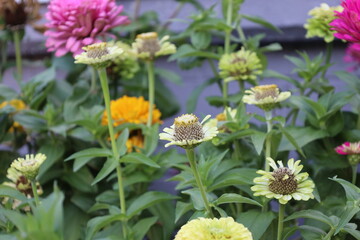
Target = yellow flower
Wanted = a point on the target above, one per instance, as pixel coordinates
(99, 55)
(147, 46)
(213, 229)
(188, 132)
(241, 65)
(18, 105)
(318, 25)
(130, 110)
(30, 165)
(284, 183)
(135, 142)
(265, 96)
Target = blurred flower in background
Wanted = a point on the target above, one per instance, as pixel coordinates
(346, 24)
(16, 14)
(318, 25)
(352, 55)
(75, 24)
(14, 106)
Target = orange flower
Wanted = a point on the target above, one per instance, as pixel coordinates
(18, 105)
(135, 142)
(130, 110)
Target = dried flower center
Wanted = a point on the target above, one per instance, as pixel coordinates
(188, 127)
(284, 182)
(265, 91)
(96, 50)
(150, 43)
(238, 60)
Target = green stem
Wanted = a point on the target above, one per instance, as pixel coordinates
(330, 234)
(3, 51)
(34, 190)
(190, 153)
(172, 16)
(151, 79)
(237, 149)
(19, 76)
(329, 47)
(354, 173)
(280, 220)
(227, 46)
(93, 79)
(358, 119)
(268, 117)
(105, 89)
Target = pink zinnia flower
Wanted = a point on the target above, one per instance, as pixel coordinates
(347, 22)
(77, 23)
(348, 148)
(352, 55)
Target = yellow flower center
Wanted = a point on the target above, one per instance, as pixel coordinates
(265, 91)
(284, 182)
(96, 50)
(188, 127)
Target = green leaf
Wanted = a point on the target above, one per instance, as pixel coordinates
(312, 214)
(108, 167)
(353, 232)
(258, 139)
(151, 139)
(235, 198)
(6, 191)
(236, 135)
(146, 200)
(351, 208)
(91, 152)
(256, 221)
(53, 152)
(238, 176)
(142, 227)
(262, 22)
(97, 223)
(292, 140)
(181, 209)
(352, 191)
(169, 75)
(139, 159)
(121, 142)
(201, 39)
(80, 162)
(193, 99)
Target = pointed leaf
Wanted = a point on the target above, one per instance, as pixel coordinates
(91, 152)
(235, 198)
(139, 158)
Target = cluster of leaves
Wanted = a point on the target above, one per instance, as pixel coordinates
(81, 201)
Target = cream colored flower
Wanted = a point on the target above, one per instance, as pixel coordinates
(30, 165)
(265, 96)
(99, 55)
(147, 46)
(318, 24)
(284, 183)
(188, 132)
(242, 65)
(213, 229)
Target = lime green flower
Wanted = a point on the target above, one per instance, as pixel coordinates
(29, 166)
(213, 229)
(147, 46)
(99, 55)
(265, 96)
(21, 183)
(188, 132)
(318, 25)
(242, 65)
(126, 64)
(284, 183)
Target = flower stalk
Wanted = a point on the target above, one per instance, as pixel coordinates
(227, 45)
(151, 79)
(280, 221)
(268, 117)
(106, 93)
(35, 193)
(190, 153)
(18, 58)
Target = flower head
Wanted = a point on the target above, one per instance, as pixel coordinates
(188, 132)
(147, 46)
(135, 142)
(75, 24)
(213, 229)
(98, 55)
(30, 165)
(318, 25)
(346, 24)
(20, 182)
(126, 65)
(130, 110)
(352, 150)
(18, 13)
(284, 183)
(265, 96)
(241, 65)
